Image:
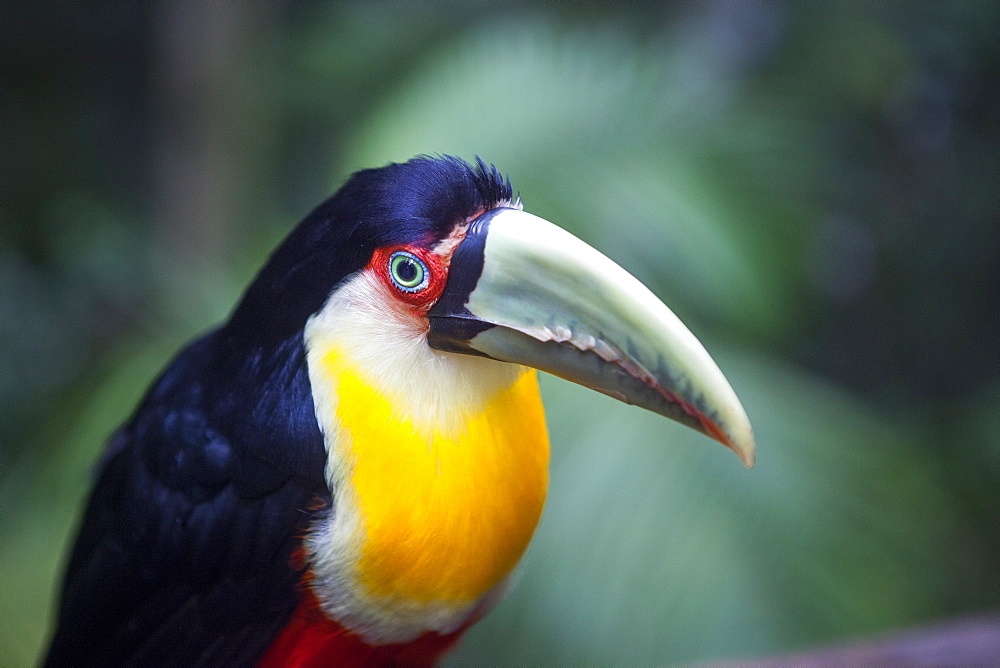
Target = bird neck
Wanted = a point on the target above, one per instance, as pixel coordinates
(438, 469)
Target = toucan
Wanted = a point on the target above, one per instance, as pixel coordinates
(348, 471)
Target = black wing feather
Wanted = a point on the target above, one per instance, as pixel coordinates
(184, 554)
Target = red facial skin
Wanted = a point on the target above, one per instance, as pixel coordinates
(437, 267)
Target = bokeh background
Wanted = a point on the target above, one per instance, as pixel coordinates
(813, 187)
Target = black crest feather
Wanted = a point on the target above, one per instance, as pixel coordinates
(415, 202)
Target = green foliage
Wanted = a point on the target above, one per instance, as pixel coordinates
(811, 187)
(656, 544)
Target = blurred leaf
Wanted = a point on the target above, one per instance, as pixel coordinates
(657, 547)
(746, 159)
(596, 127)
(43, 494)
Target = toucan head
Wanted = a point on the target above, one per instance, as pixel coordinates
(440, 253)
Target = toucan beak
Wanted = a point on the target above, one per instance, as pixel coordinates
(523, 290)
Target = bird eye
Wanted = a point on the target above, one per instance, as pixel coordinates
(408, 272)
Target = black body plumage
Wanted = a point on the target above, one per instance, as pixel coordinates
(184, 556)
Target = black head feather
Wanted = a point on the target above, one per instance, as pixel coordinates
(416, 202)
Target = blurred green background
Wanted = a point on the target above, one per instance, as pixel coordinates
(812, 187)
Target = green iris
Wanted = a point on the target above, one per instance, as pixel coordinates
(408, 272)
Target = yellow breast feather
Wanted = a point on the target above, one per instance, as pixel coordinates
(438, 468)
(446, 511)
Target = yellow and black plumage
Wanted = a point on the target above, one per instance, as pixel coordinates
(348, 470)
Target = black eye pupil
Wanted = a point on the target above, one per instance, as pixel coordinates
(407, 271)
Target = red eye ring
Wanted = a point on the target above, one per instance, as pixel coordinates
(421, 274)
